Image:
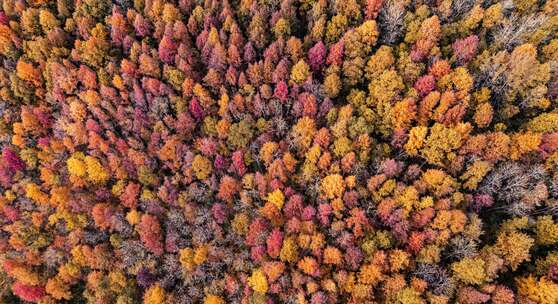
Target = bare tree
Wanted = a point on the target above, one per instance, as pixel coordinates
(436, 277)
(493, 73)
(391, 21)
(516, 30)
(509, 183)
(461, 7)
(461, 247)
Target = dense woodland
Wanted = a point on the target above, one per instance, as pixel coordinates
(279, 151)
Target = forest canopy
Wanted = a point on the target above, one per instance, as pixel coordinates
(279, 151)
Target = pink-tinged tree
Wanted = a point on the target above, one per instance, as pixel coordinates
(142, 26)
(335, 56)
(281, 91)
(358, 222)
(3, 18)
(257, 232)
(196, 109)
(390, 167)
(219, 212)
(425, 85)
(274, 243)
(118, 27)
(228, 188)
(324, 211)
(102, 215)
(129, 197)
(469, 295)
(10, 212)
(28, 293)
(549, 143)
(12, 160)
(373, 7)
(317, 56)
(465, 49)
(257, 253)
(167, 48)
(149, 230)
(238, 162)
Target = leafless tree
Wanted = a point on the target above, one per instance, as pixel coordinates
(131, 252)
(436, 277)
(461, 247)
(391, 21)
(509, 182)
(170, 271)
(493, 73)
(517, 29)
(461, 7)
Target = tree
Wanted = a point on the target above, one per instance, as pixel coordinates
(332, 186)
(302, 132)
(94, 8)
(257, 31)
(483, 115)
(94, 51)
(514, 248)
(317, 56)
(441, 143)
(277, 198)
(202, 167)
(289, 250)
(544, 123)
(27, 72)
(427, 37)
(373, 8)
(470, 271)
(309, 266)
(228, 187)
(274, 242)
(474, 174)
(539, 290)
(547, 230)
(58, 289)
(167, 49)
(379, 62)
(465, 49)
(96, 173)
(526, 77)
(240, 134)
(12, 160)
(154, 295)
(503, 295)
(332, 85)
(370, 274)
(213, 299)
(335, 28)
(332, 255)
(300, 72)
(471, 295)
(258, 281)
(102, 215)
(523, 143)
(28, 292)
(149, 230)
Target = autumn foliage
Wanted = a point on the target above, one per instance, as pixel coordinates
(258, 151)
